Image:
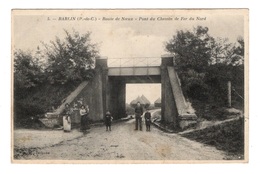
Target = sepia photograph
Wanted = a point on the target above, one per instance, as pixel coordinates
(130, 86)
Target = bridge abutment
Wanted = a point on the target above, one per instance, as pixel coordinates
(169, 112)
(175, 109)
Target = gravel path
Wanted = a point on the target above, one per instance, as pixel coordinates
(122, 143)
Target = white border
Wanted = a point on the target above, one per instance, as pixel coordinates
(5, 76)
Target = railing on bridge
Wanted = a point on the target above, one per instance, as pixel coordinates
(134, 62)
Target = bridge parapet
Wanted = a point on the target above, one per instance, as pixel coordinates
(134, 62)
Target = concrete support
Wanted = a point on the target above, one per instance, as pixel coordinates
(93, 94)
(163, 94)
(168, 109)
(175, 110)
(101, 65)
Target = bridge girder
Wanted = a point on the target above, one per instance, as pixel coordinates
(134, 71)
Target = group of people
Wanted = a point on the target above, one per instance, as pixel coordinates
(84, 121)
(138, 118)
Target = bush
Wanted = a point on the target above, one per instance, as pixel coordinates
(130, 110)
(40, 100)
(228, 136)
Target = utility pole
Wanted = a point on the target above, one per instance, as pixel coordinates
(229, 93)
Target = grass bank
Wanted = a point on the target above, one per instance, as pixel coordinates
(227, 136)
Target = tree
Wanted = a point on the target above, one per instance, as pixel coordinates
(27, 73)
(239, 52)
(220, 51)
(192, 52)
(27, 76)
(227, 65)
(191, 49)
(71, 59)
(205, 64)
(223, 52)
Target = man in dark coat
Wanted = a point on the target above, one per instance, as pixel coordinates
(138, 116)
(147, 117)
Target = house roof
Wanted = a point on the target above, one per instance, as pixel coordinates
(143, 100)
(158, 100)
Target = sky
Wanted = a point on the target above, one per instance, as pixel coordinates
(138, 37)
(152, 91)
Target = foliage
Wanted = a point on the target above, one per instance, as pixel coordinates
(191, 49)
(71, 59)
(223, 52)
(193, 84)
(27, 73)
(217, 76)
(41, 99)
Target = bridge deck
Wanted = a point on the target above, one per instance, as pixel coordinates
(134, 71)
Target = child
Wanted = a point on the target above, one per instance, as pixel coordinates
(147, 117)
(108, 120)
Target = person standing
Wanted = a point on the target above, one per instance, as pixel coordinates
(108, 120)
(147, 117)
(66, 118)
(84, 111)
(138, 116)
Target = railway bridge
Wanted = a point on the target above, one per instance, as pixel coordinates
(107, 90)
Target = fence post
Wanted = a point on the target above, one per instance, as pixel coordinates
(229, 93)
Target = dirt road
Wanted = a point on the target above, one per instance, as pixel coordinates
(122, 143)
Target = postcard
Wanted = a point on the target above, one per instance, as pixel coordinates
(130, 86)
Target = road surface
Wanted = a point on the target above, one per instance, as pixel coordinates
(122, 143)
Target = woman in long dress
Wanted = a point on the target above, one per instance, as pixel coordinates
(67, 119)
(84, 118)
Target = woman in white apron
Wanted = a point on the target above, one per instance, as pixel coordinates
(67, 119)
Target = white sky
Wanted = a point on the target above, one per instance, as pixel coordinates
(152, 91)
(121, 38)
